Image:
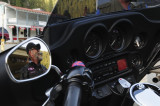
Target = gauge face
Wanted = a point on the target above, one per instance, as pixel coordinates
(136, 61)
(138, 42)
(93, 45)
(116, 40)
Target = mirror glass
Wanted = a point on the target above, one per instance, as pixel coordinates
(30, 60)
(71, 9)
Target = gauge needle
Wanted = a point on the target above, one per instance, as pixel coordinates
(113, 42)
(88, 49)
(137, 42)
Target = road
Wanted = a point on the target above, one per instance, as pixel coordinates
(7, 46)
(148, 79)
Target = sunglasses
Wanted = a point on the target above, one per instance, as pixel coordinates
(34, 49)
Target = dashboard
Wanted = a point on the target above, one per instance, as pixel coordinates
(113, 46)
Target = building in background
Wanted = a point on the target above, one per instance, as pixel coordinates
(22, 23)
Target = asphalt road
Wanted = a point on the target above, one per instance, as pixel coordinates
(7, 46)
(148, 79)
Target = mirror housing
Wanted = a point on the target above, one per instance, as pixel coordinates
(29, 60)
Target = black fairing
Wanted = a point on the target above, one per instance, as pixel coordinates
(67, 42)
(66, 39)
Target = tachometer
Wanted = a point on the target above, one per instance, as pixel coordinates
(116, 40)
(93, 45)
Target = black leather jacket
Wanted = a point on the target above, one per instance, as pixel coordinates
(32, 70)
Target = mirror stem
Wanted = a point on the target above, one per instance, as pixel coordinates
(57, 70)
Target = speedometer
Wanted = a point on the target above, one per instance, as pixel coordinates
(93, 45)
(116, 40)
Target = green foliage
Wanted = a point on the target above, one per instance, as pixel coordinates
(46, 5)
(18, 3)
(46, 59)
(76, 8)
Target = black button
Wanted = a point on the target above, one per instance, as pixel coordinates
(111, 73)
(110, 68)
(97, 67)
(101, 66)
(113, 62)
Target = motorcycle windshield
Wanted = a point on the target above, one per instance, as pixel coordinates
(70, 9)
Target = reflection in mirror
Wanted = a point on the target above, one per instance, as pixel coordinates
(70, 9)
(29, 60)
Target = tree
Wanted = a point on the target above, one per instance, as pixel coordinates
(18, 3)
(8, 1)
(46, 5)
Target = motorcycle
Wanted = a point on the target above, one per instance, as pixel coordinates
(117, 50)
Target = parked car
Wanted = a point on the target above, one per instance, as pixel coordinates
(6, 34)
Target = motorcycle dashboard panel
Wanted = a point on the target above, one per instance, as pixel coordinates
(110, 45)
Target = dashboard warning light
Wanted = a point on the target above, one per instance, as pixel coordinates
(122, 64)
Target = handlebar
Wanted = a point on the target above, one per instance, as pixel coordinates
(73, 95)
(78, 77)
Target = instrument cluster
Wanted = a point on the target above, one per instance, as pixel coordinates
(104, 47)
(99, 39)
(108, 51)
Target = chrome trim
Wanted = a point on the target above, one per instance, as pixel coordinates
(131, 92)
(16, 47)
(57, 70)
(48, 92)
(45, 103)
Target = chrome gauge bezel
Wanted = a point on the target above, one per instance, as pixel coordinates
(123, 39)
(100, 46)
(101, 32)
(125, 28)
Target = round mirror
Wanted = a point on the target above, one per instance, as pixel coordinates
(29, 60)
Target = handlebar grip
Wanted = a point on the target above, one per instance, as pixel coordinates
(73, 95)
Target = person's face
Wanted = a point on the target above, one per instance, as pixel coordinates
(36, 54)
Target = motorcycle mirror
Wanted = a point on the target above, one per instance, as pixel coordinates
(29, 60)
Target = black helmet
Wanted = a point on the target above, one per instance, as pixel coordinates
(32, 45)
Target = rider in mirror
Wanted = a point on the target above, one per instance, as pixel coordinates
(132, 4)
(34, 67)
